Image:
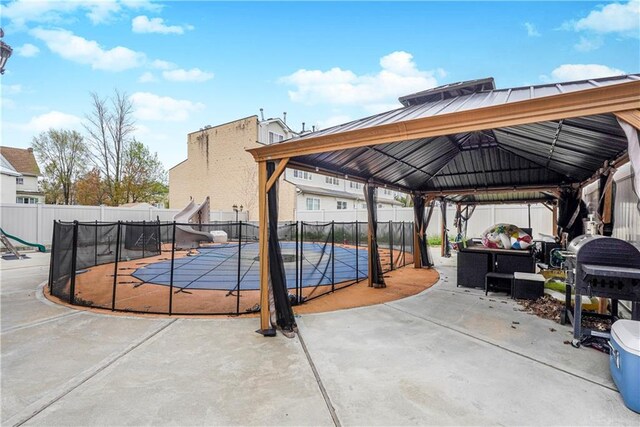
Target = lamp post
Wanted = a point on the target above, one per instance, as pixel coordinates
(237, 209)
(5, 52)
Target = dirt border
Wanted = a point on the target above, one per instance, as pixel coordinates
(401, 283)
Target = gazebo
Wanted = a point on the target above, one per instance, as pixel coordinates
(465, 143)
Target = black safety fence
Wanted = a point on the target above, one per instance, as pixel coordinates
(174, 268)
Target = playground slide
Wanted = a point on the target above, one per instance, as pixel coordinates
(186, 236)
(40, 247)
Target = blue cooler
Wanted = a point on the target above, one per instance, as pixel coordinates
(624, 361)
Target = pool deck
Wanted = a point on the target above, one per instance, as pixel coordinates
(446, 356)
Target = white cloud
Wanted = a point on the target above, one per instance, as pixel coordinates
(399, 76)
(11, 89)
(22, 12)
(149, 106)
(7, 103)
(192, 75)
(83, 51)
(142, 24)
(620, 18)
(587, 44)
(147, 77)
(531, 30)
(145, 133)
(52, 120)
(27, 50)
(569, 72)
(163, 65)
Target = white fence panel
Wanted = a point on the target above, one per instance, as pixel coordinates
(20, 221)
(483, 217)
(34, 223)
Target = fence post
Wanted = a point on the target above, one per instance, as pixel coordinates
(39, 225)
(357, 258)
(404, 249)
(144, 238)
(296, 264)
(239, 262)
(115, 270)
(333, 256)
(52, 258)
(74, 254)
(173, 255)
(95, 245)
(301, 254)
(391, 244)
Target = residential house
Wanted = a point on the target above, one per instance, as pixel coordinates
(8, 180)
(331, 193)
(218, 166)
(23, 162)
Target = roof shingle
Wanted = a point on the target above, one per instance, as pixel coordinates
(22, 160)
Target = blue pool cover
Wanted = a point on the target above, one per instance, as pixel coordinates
(216, 267)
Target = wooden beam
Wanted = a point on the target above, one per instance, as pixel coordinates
(508, 202)
(276, 174)
(263, 231)
(631, 116)
(607, 215)
(492, 190)
(601, 100)
(620, 161)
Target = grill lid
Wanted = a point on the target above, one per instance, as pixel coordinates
(579, 242)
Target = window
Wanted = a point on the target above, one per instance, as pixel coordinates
(386, 192)
(363, 206)
(342, 205)
(19, 180)
(354, 185)
(301, 174)
(331, 180)
(313, 204)
(275, 138)
(27, 200)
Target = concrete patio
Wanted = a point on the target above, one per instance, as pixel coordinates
(447, 356)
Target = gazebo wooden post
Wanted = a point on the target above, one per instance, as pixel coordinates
(443, 228)
(554, 219)
(370, 248)
(417, 251)
(264, 185)
(263, 247)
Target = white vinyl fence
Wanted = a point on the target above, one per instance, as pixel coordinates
(34, 223)
(483, 217)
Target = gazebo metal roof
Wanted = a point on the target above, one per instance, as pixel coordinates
(534, 153)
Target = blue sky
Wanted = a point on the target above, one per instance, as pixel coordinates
(190, 64)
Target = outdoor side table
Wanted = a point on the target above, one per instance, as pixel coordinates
(527, 286)
(499, 281)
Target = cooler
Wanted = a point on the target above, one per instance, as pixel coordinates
(624, 361)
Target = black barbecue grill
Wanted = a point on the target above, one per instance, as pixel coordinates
(602, 267)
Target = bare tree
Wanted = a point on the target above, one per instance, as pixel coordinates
(110, 126)
(64, 156)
